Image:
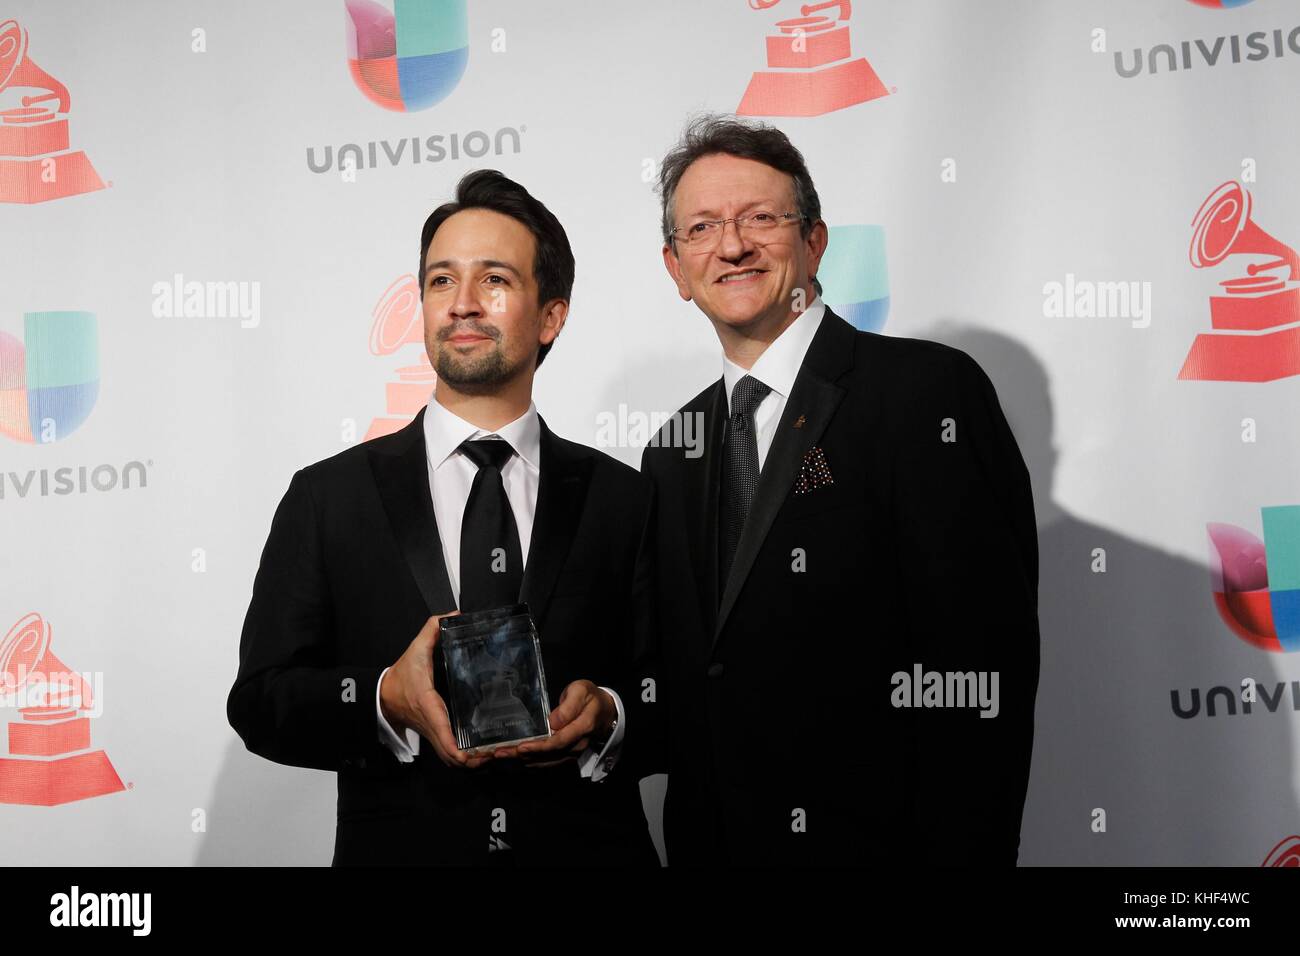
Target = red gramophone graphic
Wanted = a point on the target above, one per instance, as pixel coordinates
(807, 86)
(1256, 337)
(50, 760)
(398, 322)
(35, 162)
(1285, 854)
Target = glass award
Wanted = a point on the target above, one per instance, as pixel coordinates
(496, 687)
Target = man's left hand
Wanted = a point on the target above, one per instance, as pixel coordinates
(584, 710)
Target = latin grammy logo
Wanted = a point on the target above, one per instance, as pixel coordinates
(811, 72)
(50, 761)
(36, 164)
(398, 322)
(1256, 318)
(1285, 854)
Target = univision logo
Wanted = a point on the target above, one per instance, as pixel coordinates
(411, 58)
(1229, 700)
(1257, 583)
(1257, 593)
(855, 282)
(1165, 57)
(49, 382)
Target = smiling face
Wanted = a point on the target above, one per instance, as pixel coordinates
(741, 284)
(482, 321)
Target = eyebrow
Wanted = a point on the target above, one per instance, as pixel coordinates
(486, 263)
(713, 214)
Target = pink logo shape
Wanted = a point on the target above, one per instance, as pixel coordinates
(36, 164)
(1285, 854)
(398, 321)
(50, 761)
(810, 67)
(1256, 318)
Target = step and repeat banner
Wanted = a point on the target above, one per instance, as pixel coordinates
(209, 229)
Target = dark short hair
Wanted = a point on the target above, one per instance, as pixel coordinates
(488, 189)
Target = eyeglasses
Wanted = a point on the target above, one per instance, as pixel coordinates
(704, 235)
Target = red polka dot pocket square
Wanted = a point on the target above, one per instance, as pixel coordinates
(814, 472)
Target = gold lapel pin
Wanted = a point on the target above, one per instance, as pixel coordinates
(798, 422)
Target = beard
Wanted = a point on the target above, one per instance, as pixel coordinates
(477, 374)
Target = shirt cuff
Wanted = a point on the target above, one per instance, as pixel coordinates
(596, 765)
(404, 750)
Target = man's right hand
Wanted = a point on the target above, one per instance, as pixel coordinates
(407, 698)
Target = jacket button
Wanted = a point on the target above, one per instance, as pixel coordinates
(715, 671)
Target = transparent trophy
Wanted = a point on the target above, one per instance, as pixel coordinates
(496, 687)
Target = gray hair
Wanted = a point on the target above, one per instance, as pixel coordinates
(712, 133)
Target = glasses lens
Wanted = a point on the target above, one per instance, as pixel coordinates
(700, 234)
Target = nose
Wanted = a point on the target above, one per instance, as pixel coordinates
(465, 303)
(732, 244)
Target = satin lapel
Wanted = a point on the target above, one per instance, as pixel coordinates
(401, 470)
(561, 492)
(813, 399)
(703, 478)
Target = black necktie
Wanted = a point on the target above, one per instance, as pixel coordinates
(739, 470)
(491, 565)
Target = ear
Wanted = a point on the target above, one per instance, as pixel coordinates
(675, 270)
(815, 246)
(557, 310)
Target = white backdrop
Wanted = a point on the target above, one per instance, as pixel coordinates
(1009, 153)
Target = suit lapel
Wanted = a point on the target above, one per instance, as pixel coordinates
(401, 472)
(814, 399)
(561, 493)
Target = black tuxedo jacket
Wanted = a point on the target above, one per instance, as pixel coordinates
(872, 546)
(352, 570)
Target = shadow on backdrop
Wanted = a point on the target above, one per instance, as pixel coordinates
(1199, 790)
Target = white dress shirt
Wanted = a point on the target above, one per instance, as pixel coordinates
(451, 475)
(776, 368)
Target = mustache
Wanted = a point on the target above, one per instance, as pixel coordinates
(469, 325)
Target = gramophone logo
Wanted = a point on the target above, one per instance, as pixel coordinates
(811, 69)
(398, 321)
(49, 759)
(1255, 316)
(36, 164)
(411, 58)
(1285, 854)
(48, 385)
(1257, 583)
(855, 282)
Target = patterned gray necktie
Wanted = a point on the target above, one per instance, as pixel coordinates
(739, 470)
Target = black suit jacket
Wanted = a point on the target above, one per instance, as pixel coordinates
(351, 571)
(785, 744)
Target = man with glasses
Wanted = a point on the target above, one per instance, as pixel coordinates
(847, 577)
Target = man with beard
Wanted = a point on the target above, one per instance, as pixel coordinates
(474, 505)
